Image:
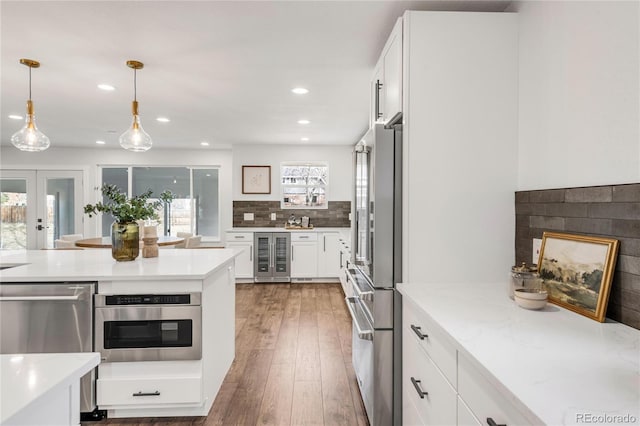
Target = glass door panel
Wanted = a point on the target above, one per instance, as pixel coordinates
(59, 196)
(17, 210)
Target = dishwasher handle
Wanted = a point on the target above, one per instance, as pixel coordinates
(39, 298)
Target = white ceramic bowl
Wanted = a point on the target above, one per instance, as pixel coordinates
(530, 298)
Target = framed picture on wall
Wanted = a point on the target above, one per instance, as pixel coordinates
(256, 179)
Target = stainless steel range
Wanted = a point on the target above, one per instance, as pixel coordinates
(376, 308)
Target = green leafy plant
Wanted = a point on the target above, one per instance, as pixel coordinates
(125, 209)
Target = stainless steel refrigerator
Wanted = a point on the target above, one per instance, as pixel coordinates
(376, 267)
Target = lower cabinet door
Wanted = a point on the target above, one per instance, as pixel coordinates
(146, 392)
(426, 387)
(244, 262)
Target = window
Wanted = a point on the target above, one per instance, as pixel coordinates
(304, 185)
(195, 208)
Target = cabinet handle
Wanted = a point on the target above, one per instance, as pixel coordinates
(292, 253)
(156, 393)
(239, 236)
(324, 243)
(251, 253)
(418, 332)
(491, 422)
(303, 236)
(378, 89)
(416, 384)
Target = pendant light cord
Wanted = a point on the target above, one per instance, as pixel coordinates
(135, 73)
(29, 82)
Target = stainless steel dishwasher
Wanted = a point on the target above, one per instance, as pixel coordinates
(50, 318)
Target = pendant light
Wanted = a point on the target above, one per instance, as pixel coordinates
(135, 139)
(29, 138)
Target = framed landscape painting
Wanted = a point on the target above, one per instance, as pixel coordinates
(577, 271)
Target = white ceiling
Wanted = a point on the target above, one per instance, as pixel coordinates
(222, 71)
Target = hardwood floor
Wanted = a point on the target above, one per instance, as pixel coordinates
(292, 365)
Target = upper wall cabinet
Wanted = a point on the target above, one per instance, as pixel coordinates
(386, 85)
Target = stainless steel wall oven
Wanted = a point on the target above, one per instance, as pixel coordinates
(148, 327)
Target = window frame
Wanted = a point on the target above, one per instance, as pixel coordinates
(284, 186)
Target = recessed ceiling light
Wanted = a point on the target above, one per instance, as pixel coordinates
(204, 143)
(15, 117)
(303, 122)
(304, 139)
(100, 142)
(106, 87)
(163, 119)
(300, 91)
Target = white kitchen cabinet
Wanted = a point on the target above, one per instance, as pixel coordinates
(482, 398)
(304, 255)
(177, 387)
(424, 385)
(328, 255)
(460, 88)
(426, 355)
(386, 84)
(244, 262)
(456, 391)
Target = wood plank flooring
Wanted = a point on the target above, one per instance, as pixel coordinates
(292, 365)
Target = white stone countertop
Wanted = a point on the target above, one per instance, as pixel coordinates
(555, 363)
(27, 377)
(97, 264)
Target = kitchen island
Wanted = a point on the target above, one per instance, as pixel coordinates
(167, 386)
(38, 389)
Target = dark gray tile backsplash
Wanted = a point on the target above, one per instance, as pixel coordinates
(336, 215)
(607, 211)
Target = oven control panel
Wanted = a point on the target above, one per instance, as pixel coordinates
(148, 299)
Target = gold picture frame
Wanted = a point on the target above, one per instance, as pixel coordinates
(256, 179)
(577, 271)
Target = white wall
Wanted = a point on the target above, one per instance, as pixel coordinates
(89, 159)
(579, 114)
(337, 156)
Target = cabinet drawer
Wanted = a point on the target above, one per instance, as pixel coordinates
(483, 398)
(239, 236)
(433, 340)
(438, 405)
(465, 416)
(304, 236)
(144, 392)
(410, 416)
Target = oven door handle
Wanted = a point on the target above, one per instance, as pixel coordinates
(364, 295)
(363, 333)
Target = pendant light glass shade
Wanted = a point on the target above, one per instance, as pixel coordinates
(29, 138)
(135, 138)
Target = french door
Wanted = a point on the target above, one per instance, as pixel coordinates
(38, 206)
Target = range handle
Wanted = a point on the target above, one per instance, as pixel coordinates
(362, 294)
(364, 331)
